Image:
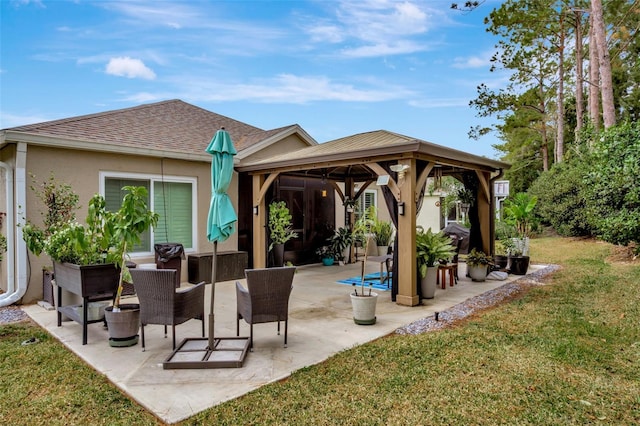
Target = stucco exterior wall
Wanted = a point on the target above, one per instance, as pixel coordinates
(288, 144)
(429, 216)
(81, 170)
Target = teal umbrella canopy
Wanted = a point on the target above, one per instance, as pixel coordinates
(222, 218)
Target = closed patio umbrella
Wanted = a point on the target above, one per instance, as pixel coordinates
(228, 351)
(222, 219)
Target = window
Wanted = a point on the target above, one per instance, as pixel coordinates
(366, 200)
(173, 198)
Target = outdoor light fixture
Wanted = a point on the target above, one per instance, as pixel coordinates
(255, 210)
(382, 180)
(401, 208)
(401, 169)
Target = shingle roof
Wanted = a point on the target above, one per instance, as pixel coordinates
(366, 145)
(171, 125)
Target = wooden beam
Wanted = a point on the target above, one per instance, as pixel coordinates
(259, 223)
(422, 179)
(393, 186)
(265, 187)
(484, 185)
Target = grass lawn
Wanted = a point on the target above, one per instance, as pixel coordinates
(567, 352)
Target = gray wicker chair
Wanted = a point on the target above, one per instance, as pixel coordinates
(266, 298)
(161, 303)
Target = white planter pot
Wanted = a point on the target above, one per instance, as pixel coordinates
(477, 273)
(428, 284)
(383, 250)
(364, 309)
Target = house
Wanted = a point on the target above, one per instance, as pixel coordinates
(161, 146)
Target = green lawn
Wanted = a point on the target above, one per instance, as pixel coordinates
(567, 352)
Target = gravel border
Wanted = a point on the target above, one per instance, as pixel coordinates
(482, 301)
(12, 313)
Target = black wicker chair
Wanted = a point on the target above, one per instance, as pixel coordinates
(161, 303)
(266, 298)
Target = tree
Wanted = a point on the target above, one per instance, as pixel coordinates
(606, 84)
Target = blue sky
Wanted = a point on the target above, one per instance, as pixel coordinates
(336, 68)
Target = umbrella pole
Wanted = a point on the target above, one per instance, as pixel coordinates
(214, 265)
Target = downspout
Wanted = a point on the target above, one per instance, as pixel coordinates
(492, 203)
(17, 253)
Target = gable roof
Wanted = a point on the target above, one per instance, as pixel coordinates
(341, 156)
(171, 128)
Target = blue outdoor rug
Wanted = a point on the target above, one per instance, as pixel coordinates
(373, 279)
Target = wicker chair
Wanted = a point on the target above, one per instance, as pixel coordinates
(161, 303)
(266, 298)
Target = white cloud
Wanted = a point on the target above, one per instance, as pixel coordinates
(130, 68)
(383, 49)
(475, 61)
(13, 120)
(371, 28)
(282, 89)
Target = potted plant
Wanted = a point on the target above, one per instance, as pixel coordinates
(478, 263)
(519, 211)
(350, 204)
(279, 230)
(364, 301)
(430, 249)
(383, 232)
(90, 260)
(327, 255)
(127, 224)
(501, 256)
(341, 241)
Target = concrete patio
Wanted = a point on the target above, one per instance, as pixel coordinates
(320, 325)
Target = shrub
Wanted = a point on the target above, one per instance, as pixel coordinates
(611, 187)
(561, 201)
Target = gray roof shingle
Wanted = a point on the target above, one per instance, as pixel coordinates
(168, 125)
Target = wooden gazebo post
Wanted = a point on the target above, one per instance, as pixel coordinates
(407, 262)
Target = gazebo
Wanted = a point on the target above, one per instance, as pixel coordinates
(402, 165)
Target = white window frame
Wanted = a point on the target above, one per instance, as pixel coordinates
(159, 179)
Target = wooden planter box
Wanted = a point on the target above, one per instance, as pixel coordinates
(91, 282)
(230, 266)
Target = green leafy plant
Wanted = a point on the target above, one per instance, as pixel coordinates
(280, 224)
(362, 229)
(519, 211)
(341, 239)
(60, 202)
(478, 258)
(131, 220)
(383, 231)
(105, 238)
(430, 248)
(3, 246)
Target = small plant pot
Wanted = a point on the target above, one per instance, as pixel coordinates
(327, 261)
(364, 308)
(500, 261)
(519, 265)
(123, 326)
(428, 284)
(477, 273)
